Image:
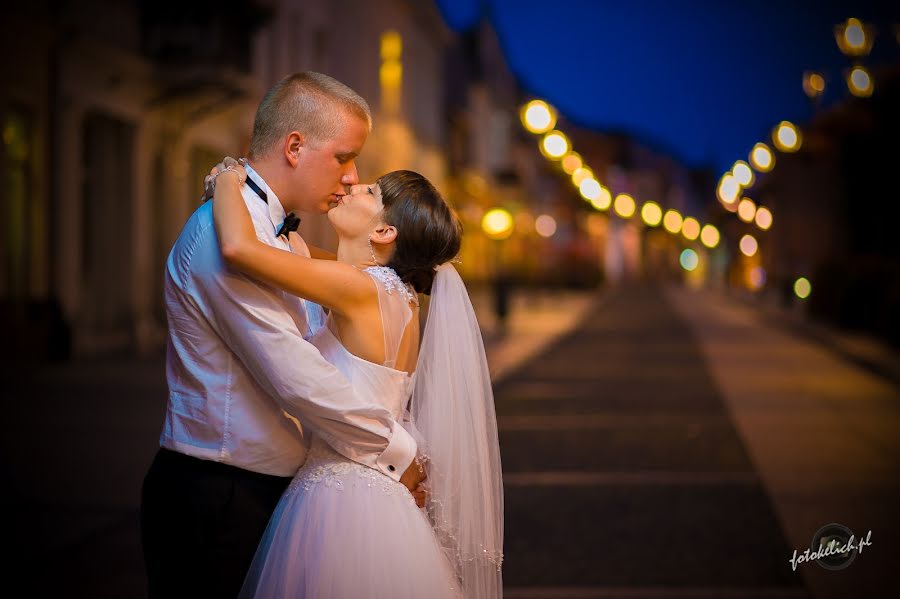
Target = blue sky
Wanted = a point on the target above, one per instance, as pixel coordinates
(703, 81)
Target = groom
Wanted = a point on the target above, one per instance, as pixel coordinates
(240, 374)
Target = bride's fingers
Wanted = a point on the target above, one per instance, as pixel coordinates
(229, 161)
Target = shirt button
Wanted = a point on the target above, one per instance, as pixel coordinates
(391, 467)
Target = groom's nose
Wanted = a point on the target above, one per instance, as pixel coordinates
(350, 176)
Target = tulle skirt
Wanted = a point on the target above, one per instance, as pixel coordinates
(345, 531)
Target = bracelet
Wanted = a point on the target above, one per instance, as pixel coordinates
(229, 169)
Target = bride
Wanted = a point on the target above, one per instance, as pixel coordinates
(343, 530)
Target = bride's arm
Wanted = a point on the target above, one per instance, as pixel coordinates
(336, 285)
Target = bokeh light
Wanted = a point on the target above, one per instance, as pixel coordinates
(571, 162)
(802, 287)
(545, 225)
(746, 210)
(689, 259)
(497, 223)
(761, 158)
(709, 236)
(742, 173)
(690, 228)
(538, 117)
(651, 213)
(672, 221)
(624, 205)
(786, 137)
(748, 245)
(763, 218)
(555, 145)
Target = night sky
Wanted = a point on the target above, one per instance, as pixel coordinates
(702, 81)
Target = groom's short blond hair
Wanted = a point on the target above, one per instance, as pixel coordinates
(310, 103)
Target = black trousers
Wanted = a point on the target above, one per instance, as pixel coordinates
(201, 522)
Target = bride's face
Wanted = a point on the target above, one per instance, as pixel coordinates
(356, 214)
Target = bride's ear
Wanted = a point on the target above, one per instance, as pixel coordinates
(384, 234)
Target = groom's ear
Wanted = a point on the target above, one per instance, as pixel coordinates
(293, 145)
(384, 234)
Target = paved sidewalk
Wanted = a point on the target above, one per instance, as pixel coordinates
(823, 431)
(624, 474)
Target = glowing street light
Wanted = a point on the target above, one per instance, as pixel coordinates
(581, 174)
(624, 205)
(603, 200)
(854, 38)
(763, 218)
(786, 137)
(859, 82)
(749, 246)
(746, 210)
(742, 173)
(555, 145)
(729, 189)
(802, 287)
(589, 189)
(761, 158)
(538, 116)
(497, 223)
(813, 84)
(571, 162)
(651, 214)
(545, 225)
(690, 228)
(709, 236)
(672, 221)
(688, 259)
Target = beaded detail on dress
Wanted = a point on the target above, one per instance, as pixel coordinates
(326, 466)
(392, 282)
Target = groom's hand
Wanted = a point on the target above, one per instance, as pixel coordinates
(412, 478)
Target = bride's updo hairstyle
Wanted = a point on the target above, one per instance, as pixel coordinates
(428, 231)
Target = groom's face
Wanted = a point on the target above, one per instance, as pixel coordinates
(326, 168)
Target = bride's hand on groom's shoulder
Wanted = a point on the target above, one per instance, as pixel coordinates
(228, 164)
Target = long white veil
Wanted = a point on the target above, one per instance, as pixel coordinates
(452, 409)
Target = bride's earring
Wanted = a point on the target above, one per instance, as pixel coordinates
(372, 249)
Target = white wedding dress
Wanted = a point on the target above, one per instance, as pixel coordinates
(343, 530)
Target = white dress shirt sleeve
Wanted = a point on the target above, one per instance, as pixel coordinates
(255, 323)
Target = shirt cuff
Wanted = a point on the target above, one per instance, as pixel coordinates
(400, 452)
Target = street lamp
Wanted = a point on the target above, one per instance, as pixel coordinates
(690, 228)
(749, 246)
(672, 221)
(651, 213)
(497, 223)
(761, 158)
(538, 116)
(572, 162)
(813, 84)
(624, 205)
(854, 38)
(729, 189)
(742, 172)
(746, 210)
(581, 174)
(859, 82)
(709, 236)
(763, 218)
(555, 145)
(786, 137)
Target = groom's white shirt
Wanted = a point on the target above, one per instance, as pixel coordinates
(237, 361)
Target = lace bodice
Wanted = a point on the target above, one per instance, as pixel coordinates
(383, 383)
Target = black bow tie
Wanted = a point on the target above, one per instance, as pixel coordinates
(291, 223)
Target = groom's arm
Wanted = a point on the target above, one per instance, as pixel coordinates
(257, 327)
